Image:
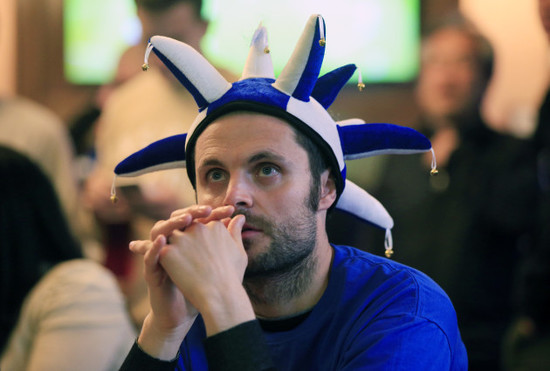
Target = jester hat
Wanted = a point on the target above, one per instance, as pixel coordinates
(298, 96)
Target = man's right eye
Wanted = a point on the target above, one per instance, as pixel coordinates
(215, 175)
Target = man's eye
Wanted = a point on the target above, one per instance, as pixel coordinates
(267, 171)
(215, 175)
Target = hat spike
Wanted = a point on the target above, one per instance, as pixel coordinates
(360, 140)
(198, 76)
(329, 85)
(300, 74)
(258, 63)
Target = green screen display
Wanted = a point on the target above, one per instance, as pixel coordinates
(380, 36)
(95, 35)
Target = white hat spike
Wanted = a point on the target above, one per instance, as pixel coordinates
(258, 63)
(200, 78)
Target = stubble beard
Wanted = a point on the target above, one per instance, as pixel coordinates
(285, 270)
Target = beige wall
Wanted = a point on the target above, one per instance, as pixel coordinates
(522, 64)
(7, 47)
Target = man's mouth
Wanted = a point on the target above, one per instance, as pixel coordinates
(250, 231)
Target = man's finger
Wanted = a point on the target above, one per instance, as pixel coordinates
(235, 228)
(151, 257)
(196, 211)
(218, 213)
(166, 227)
(140, 246)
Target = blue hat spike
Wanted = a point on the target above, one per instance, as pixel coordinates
(300, 74)
(167, 153)
(198, 76)
(360, 140)
(329, 85)
(164, 154)
(258, 63)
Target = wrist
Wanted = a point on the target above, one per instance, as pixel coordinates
(160, 342)
(225, 309)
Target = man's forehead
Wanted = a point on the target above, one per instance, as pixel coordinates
(242, 127)
(250, 137)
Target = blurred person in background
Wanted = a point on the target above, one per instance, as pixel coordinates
(145, 108)
(465, 227)
(59, 311)
(36, 131)
(178, 18)
(527, 345)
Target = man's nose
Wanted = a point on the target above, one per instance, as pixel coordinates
(238, 192)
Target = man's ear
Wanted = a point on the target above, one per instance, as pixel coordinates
(328, 191)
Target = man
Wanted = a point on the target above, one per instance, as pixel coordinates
(466, 227)
(253, 257)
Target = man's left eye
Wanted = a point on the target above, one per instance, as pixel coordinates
(268, 171)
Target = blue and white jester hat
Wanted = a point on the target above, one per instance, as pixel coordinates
(298, 96)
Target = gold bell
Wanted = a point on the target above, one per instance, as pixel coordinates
(389, 253)
(144, 66)
(360, 86)
(322, 42)
(266, 50)
(114, 199)
(434, 172)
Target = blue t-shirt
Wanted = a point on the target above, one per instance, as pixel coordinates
(375, 314)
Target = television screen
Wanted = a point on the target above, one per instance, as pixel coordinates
(380, 36)
(95, 33)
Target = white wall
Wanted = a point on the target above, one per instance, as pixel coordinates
(7, 47)
(522, 60)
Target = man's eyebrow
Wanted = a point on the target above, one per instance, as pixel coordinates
(211, 163)
(260, 156)
(266, 155)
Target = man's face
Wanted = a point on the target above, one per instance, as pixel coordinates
(253, 162)
(449, 75)
(544, 12)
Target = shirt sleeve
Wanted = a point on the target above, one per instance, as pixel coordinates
(242, 348)
(138, 360)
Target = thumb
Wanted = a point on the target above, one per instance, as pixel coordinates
(235, 227)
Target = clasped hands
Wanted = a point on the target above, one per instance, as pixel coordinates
(194, 262)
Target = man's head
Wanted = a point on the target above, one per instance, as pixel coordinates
(262, 166)
(456, 65)
(267, 135)
(544, 13)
